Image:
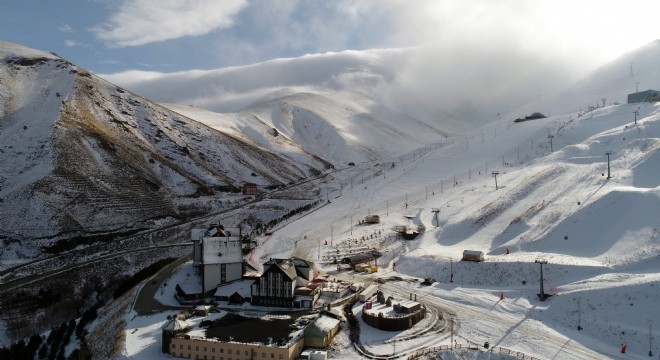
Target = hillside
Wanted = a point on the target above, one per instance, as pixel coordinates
(599, 236)
(83, 157)
(337, 129)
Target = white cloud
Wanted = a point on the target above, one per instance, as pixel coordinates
(66, 28)
(139, 22)
(464, 60)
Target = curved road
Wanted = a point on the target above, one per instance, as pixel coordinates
(499, 328)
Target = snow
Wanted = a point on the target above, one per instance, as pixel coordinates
(599, 236)
(553, 201)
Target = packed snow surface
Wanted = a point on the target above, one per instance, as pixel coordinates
(553, 202)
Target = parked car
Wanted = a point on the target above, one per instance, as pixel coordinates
(428, 281)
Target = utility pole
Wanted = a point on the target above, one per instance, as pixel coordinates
(331, 235)
(579, 326)
(636, 112)
(542, 295)
(351, 224)
(451, 270)
(495, 176)
(608, 153)
(650, 337)
(550, 136)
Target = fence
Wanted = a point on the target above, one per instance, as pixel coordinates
(498, 349)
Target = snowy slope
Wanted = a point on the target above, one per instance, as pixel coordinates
(635, 71)
(81, 156)
(600, 236)
(336, 128)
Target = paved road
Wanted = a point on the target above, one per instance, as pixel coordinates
(145, 302)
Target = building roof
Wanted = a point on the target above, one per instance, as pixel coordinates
(177, 325)
(322, 326)
(408, 304)
(285, 265)
(197, 234)
(358, 257)
(221, 250)
(242, 287)
(646, 95)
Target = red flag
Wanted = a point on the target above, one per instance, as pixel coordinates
(623, 349)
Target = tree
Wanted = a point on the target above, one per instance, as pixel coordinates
(43, 351)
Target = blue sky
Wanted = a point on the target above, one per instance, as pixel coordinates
(111, 36)
(167, 36)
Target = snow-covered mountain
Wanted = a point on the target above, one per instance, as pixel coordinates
(553, 199)
(637, 70)
(339, 129)
(81, 156)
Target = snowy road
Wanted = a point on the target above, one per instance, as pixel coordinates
(521, 333)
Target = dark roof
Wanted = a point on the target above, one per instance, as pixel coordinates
(358, 257)
(285, 265)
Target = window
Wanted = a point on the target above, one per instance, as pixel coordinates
(281, 357)
(181, 346)
(272, 356)
(247, 353)
(212, 349)
(188, 347)
(222, 350)
(229, 351)
(205, 350)
(196, 348)
(263, 354)
(173, 346)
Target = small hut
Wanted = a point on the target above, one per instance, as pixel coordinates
(320, 333)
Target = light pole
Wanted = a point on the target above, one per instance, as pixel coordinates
(495, 176)
(542, 295)
(608, 153)
(636, 113)
(650, 337)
